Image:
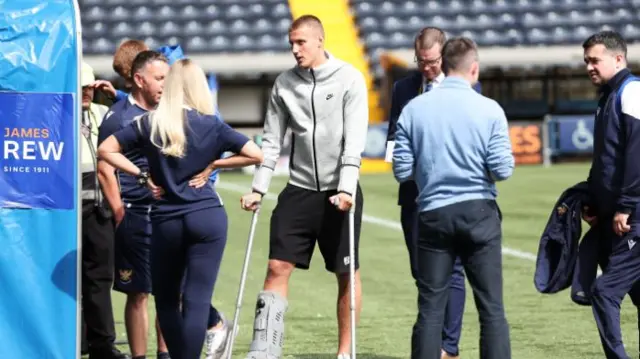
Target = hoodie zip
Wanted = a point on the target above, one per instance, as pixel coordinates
(313, 110)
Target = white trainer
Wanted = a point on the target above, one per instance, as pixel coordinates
(215, 341)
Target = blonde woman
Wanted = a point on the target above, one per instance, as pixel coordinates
(181, 139)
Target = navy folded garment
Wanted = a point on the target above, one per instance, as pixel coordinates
(558, 248)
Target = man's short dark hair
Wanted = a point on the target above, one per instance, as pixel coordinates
(429, 36)
(611, 40)
(144, 58)
(458, 53)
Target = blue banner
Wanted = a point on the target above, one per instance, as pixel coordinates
(39, 69)
(37, 150)
(573, 133)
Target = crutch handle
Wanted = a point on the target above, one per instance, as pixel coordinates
(336, 202)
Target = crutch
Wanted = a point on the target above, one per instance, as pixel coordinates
(352, 274)
(243, 278)
(352, 277)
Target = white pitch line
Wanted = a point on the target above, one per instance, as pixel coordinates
(379, 221)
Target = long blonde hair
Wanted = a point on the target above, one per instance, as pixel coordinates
(185, 85)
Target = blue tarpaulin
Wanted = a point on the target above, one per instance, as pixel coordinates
(39, 108)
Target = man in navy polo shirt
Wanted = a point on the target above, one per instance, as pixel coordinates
(131, 203)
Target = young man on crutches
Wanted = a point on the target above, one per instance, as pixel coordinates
(324, 102)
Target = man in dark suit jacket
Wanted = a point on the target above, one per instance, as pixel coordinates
(428, 44)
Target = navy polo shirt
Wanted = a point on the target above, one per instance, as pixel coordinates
(208, 137)
(120, 115)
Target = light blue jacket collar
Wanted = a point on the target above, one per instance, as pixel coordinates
(455, 81)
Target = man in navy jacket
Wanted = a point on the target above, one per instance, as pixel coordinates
(427, 45)
(614, 181)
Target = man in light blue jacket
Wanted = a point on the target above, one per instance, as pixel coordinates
(455, 152)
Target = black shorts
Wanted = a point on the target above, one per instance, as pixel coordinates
(301, 217)
(133, 252)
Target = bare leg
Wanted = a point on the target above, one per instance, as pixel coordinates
(278, 274)
(162, 346)
(344, 312)
(137, 322)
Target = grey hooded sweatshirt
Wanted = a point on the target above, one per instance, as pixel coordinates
(327, 110)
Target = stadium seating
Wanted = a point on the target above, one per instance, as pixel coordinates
(392, 24)
(200, 26)
(215, 27)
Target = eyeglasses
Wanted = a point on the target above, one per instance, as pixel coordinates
(422, 62)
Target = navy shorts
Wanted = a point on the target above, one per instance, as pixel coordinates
(133, 253)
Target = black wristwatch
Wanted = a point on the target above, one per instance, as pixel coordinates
(143, 178)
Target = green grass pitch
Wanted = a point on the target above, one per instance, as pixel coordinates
(542, 326)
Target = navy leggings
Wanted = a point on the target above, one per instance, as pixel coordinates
(194, 243)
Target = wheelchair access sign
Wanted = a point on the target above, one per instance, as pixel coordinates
(574, 133)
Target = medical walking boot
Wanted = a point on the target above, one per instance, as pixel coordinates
(268, 326)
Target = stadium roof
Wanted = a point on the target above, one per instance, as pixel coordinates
(274, 63)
